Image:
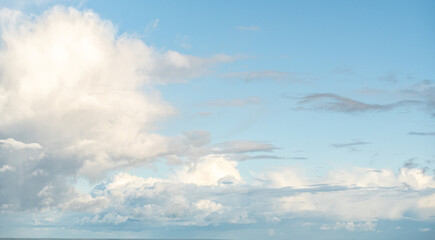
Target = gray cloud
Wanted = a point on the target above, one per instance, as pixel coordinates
(242, 150)
(333, 102)
(350, 144)
(391, 77)
(422, 133)
(424, 90)
(244, 147)
(243, 157)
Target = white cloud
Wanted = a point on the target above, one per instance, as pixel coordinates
(413, 178)
(424, 229)
(212, 170)
(283, 177)
(71, 85)
(351, 226)
(76, 99)
(6, 167)
(14, 144)
(300, 202)
(192, 197)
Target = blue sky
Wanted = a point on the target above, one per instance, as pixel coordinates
(229, 120)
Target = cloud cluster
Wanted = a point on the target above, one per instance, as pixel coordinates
(76, 99)
(277, 196)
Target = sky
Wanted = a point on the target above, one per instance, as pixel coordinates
(217, 119)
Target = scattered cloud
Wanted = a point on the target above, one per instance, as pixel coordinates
(424, 229)
(248, 28)
(333, 102)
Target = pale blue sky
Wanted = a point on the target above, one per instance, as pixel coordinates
(291, 103)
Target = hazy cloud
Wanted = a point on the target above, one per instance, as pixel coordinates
(259, 76)
(237, 102)
(424, 229)
(422, 133)
(391, 77)
(425, 91)
(343, 70)
(248, 28)
(352, 226)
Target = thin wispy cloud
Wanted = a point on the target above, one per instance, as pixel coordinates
(244, 147)
(343, 70)
(423, 90)
(349, 144)
(333, 102)
(390, 77)
(248, 28)
(253, 76)
(422, 133)
(237, 102)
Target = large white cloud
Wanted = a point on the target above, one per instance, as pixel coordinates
(76, 99)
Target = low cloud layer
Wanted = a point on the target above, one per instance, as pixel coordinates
(279, 196)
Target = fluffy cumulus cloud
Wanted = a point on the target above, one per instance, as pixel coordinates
(76, 99)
